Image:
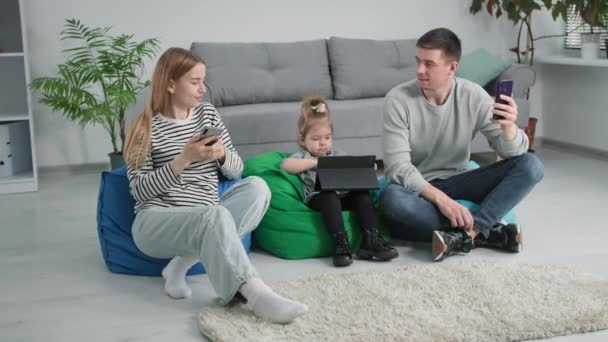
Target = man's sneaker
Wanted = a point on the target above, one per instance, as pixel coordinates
(449, 242)
(502, 236)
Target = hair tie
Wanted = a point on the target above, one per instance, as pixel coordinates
(320, 108)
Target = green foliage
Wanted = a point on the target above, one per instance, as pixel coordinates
(516, 10)
(592, 12)
(519, 12)
(100, 78)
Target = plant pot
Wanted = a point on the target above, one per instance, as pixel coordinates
(530, 131)
(116, 160)
(590, 45)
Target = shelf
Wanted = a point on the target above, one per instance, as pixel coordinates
(25, 176)
(11, 54)
(13, 86)
(22, 182)
(18, 170)
(6, 117)
(573, 58)
(10, 27)
(16, 156)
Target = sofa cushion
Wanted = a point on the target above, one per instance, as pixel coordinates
(243, 73)
(278, 122)
(262, 122)
(354, 146)
(363, 68)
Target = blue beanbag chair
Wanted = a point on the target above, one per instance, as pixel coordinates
(115, 217)
(509, 217)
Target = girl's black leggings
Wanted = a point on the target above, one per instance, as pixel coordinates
(330, 204)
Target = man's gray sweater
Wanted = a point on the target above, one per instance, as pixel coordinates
(423, 142)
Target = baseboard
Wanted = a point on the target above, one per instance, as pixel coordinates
(570, 147)
(74, 169)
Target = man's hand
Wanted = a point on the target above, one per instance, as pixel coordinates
(508, 112)
(458, 215)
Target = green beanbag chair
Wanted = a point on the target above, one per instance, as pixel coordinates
(290, 229)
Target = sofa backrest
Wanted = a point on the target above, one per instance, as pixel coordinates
(363, 68)
(243, 73)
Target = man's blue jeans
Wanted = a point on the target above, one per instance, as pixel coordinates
(497, 188)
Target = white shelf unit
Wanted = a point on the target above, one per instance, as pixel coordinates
(18, 171)
(573, 58)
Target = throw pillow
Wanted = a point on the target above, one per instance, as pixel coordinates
(481, 67)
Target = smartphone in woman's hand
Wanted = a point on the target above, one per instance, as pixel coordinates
(210, 131)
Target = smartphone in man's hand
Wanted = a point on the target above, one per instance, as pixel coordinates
(211, 131)
(504, 87)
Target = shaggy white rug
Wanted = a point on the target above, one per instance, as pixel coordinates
(449, 301)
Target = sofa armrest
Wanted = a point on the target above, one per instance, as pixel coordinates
(523, 77)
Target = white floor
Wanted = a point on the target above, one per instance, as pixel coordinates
(55, 286)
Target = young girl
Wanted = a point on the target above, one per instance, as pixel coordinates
(315, 138)
(173, 177)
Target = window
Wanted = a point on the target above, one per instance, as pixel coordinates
(575, 26)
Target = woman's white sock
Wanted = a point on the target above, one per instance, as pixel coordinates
(175, 276)
(269, 305)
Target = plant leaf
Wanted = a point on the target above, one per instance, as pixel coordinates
(100, 78)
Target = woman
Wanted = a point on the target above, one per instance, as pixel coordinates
(173, 177)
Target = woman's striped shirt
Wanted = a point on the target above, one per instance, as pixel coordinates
(156, 185)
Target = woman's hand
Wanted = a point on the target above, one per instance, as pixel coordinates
(218, 151)
(204, 149)
(196, 150)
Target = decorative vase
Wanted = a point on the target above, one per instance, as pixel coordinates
(530, 131)
(590, 45)
(116, 160)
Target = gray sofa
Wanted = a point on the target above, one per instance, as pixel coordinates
(257, 88)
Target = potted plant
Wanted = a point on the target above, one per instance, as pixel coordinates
(520, 13)
(99, 80)
(593, 13)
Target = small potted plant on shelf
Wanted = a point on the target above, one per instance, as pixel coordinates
(99, 80)
(594, 13)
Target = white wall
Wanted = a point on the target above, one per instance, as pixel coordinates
(571, 101)
(543, 25)
(178, 23)
(575, 99)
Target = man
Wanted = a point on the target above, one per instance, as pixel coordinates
(429, 123)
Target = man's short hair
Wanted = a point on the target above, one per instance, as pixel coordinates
(442, 39)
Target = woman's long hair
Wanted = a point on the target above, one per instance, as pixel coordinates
(172, 65)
